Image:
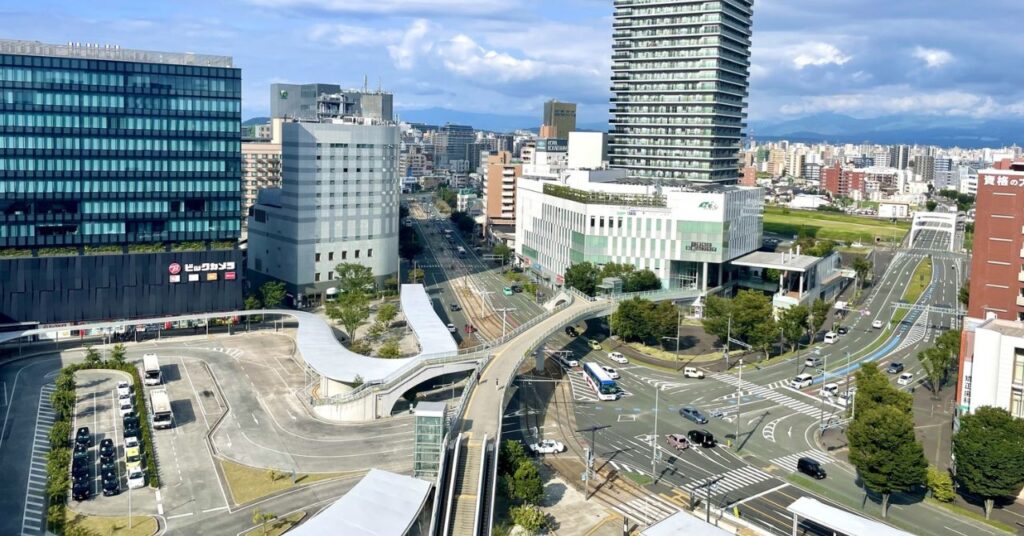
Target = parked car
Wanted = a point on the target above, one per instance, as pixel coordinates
(454, 307)
(83, 437)
(111, 486)
(107, 450)
(830, 338)
(594, 345)
(82, 492)
(126, 407)
(829, 390)
(810, 466)
(677, 441)
(81, 452)
(517, 288)
(618, 358)
(895, 368)
(693, 372)
(124, 388)
(612, 373)
(571, 331)
(842, 330)
(108, 467)
(131, 441)
(877, 324)
(701, 438)
(136, 478)
(693, 414)
(801, 381)
(905, 378)
(547, 446)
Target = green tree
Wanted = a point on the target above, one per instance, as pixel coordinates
(351, 313)
(252, 303)
(819, 314)
(664, 319)
(92, 356)
(55, 518)
(931, 205)
(117, 354)
(524, 485)
(63, 403)
(389, 350)
(874, 390)
(770, 275)
(529, 516)
(641, 281)
(503, 251)
(512, 453)
(261, 518)
(65, 380)
(614, 269)
(409, 245)
(988, 450)
(386, 313)
(792, 323)
(354, 278)
(935, 363)
(862, 267)
(750, 310)
(964, 296)
(885, 452)
(763, 336)
(582, 277)
(415, 275)
(632, 320)
(940, 484)
(60, 433)
(716, 316)
(272, 294)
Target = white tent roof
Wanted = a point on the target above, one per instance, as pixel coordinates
(841, 520)
(381, 504)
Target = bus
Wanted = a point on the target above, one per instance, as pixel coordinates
(601, 382)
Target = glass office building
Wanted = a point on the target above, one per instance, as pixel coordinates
(119, 182)
(679, 78)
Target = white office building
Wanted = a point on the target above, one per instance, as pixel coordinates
(338, 203)
(685, 235)
(992, 366)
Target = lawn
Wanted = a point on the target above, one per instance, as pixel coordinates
(250, 483)
(831, 225)
(277, 527)
(919, 281)
(115, 525)
(639, 479)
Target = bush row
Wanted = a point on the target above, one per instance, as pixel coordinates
(521, 484)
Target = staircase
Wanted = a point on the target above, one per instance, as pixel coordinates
(463, 518)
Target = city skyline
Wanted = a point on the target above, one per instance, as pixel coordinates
(484, 56)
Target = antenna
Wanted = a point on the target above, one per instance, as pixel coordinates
(366, 83)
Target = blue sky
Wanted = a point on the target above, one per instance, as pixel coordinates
(857, 57)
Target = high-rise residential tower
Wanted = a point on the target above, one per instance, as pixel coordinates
(120, 184)
(679, 78)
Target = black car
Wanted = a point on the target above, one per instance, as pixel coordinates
(571, 331)
(83, 437)
(130, 419)
(108, 468)
(107, 450)
(895, 368)
(81, 493)
(517, 288)
(842, 330)
(80, 466)
(81, 452)
(810, 466)
(701, 438)
(454, 307)
(132, 431)
(111, 486)
(81, 479)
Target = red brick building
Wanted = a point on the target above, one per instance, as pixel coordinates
(749, 177)
(997, 262)
(842, 182)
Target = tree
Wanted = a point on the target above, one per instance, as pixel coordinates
(931, 205)
(408, 244)
(386, 313)
(582, 277)
(415, 275)
(252, 303)
(632, 320)
(664, 319)
(391, 283)
(988, 451)
(763, 336)
(92, 356)
(614, 269)
(389, 350)
(524, 485)
(117, 354)
(641, 281)
(716, 316)
(751, 309)
(353, 278)
(464, 222)
(935, 363)
(261, 518)
(862, 267)
(770, 275)
(55, 515)
(964, 296)
(503, 251)
(819, 314)
(60, 434)
(874, 390)
(272, 293)
(940, 484)
(351, 313)
(793, 323)
(529, 516)
(512, 453)
(885, 452)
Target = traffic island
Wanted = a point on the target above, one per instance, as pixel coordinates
(277, 526)
(247, 484)
(76, 523)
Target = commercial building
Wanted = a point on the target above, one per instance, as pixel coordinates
(679, 79)
(453, 148)
(261, 168)
(997, 272)
(120, 183)
(685, 235)
(324, 101)
(559, 119)
(500, 189)
(338, 203)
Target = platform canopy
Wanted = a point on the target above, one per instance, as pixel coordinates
(381, 504)
(841, 520)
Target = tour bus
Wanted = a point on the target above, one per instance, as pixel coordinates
(601, 382)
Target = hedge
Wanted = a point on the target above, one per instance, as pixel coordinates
(58, 479)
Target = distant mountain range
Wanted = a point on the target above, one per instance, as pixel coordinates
(893, 129)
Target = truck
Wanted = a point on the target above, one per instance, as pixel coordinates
(151, 369)
(160, 405)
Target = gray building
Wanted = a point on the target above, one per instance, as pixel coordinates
(561, 117)
(679, 78)
(899, 156)
(454, 146)
(313, 102)
(925, 167)
(338, 203)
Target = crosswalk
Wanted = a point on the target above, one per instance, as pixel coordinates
(648, 510)
(916, 333)
(233, 352)
(768, 393)
(728, 481)
(35, 494)
(622, 467)
(581, 391)
(788, 462)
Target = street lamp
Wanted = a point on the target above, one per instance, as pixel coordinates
(589, 469)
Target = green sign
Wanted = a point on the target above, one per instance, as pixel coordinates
(284, 94)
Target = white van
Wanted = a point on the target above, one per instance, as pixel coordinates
(801, 381)
(813, 361)
(693, 372)
(831, 337)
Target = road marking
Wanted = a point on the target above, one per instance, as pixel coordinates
(728, 481)
(179, 516)
(208, 510)
(35, 490)
(254, 418)
(956, 531)
(788, 462)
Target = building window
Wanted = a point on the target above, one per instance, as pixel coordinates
(330, 276)
(344, 255)
(1016, 403)
(330, 255)
(1018, 367)
(316, 276)
(357, 253)
(317, 257)
(369, 252)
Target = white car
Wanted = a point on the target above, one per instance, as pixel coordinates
(547, 446)
(618, 358)
(905, 378)
(124, 397)
(829, 390)
(130, 442)
(877, 324)
(136, 478)
(612, 373)
(693, 372)
(126, 407)
(124, 389)
(452, 328)
(801, 381)
(844, 399)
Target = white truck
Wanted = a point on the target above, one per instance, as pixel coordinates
(151, 369)
(160, 405)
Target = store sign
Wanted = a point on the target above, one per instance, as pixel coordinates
(193, 277)
(175, 278)
(1003, 180)
(707, 247)
(708, 205)
(229, 276)
(174, 268)
(210, 267)
(211, 276)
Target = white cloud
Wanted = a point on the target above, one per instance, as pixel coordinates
(463, 56)
(933, 58)
(903, 99)
(345, 35)
(817, 54)
(414, 43)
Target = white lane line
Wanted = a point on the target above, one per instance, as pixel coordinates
(956, 531)
(179, 516)
(208, 510)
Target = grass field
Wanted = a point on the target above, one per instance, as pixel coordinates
(279, 526)
(831, 225)
(118, 526)
(250, 483)
(919, 281)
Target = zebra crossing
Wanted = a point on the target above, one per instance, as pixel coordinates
(916, 333)
(768, 393)
(622, 467)
(646, 511)
(581, 391)
(788, 462)
(35, 495)
(728, 481)
(233, 352)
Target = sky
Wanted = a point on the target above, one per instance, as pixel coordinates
(864, 58)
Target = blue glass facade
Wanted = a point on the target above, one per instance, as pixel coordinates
(98, 152)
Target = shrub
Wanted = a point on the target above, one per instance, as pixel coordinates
(389, 350)
(103, 250)
(16, 253)
(195, 245)
(147, 248)
(940, 484)
(60, 434)
(529, 517)
(57, 252)
(524, 485)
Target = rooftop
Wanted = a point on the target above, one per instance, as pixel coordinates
(683, 523)
(95, 51)
(1008, 328)
(787, 262)
(849, 523)
(381, 504)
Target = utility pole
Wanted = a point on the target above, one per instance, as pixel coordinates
(589, 470)
(728, 338)
(654, 438)
(821, 394)
(739, 383)
(504, 323)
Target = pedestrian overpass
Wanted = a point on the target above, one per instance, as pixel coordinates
(943, 222)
